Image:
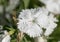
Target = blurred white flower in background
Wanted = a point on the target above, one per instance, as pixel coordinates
(1, 8)
(6, 36)
(58, 41)
(31, 22)
(52, 5)
(12, 5)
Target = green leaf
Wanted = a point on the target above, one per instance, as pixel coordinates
(14, 40)
(26, 3)
(12, 30)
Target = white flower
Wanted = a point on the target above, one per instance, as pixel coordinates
(6, 36)
(31, 21)
(27, 23)
(52, 5)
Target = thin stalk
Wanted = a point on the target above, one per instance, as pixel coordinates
(40, 39)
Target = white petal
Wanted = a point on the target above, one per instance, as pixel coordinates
(25, 14)
(6, 39)
(48, 32)
(34, 30)
(50, 29)
(43, 20)
(52, 18)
